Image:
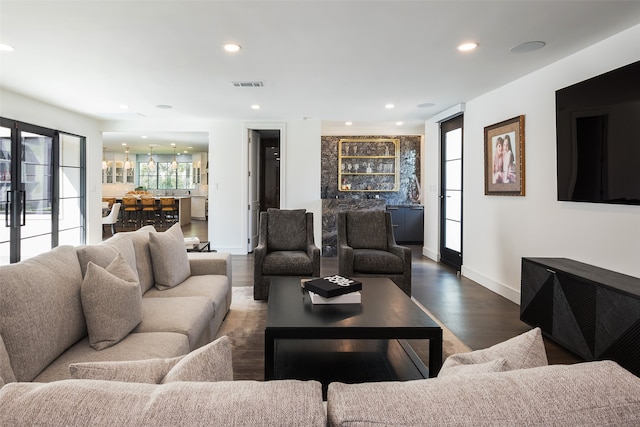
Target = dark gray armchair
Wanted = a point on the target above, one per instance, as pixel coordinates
(285, 248)
(366, 247)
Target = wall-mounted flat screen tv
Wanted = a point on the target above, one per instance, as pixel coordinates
(598, 138)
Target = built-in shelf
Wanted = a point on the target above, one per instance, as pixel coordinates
(369, 165)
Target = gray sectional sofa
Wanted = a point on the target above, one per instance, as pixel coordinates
(52, 315)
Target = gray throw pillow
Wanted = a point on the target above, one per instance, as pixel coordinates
(366, 230)
(286, 230)
(521, 352)
(6, 373)
(169, 256)
(209, 363)
(111, 302)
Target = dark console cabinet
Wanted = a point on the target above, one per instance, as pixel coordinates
(591, 311)
(407, 222)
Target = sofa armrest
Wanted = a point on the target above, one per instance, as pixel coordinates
(345, 260)
(313, 252)
(204, 263)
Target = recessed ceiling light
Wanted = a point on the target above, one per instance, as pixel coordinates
(389, 106)
(348, 123)
(426, 105)
(528, 47)
(164, 106)
(5, 48)
(466, 47)
(124, 144)
(399, 123)
(144, 137)
(173, 144)
(255, 107)
(231, 47)
(124, 106)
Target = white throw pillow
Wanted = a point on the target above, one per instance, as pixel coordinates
(169, 256)
(209, 363)
(111, 302)
(521, 352)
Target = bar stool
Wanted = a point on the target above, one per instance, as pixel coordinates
(150, 210)
(110, 200)
(169, 210)
(131, 208)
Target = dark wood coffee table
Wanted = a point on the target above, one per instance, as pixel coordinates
(347, 342)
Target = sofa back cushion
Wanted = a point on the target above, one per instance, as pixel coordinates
(169, 256)
(366, 230)
(40, 309)
(286, 230)
(144, 265)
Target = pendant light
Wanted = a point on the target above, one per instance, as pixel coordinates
(151, 163)
(174, 163)
(127, 163)
(104, 158)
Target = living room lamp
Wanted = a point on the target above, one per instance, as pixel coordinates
(174, 162)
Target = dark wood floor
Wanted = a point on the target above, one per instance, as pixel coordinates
(478, 316)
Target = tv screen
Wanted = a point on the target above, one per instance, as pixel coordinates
(598, 138)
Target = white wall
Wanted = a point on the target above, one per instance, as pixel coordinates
(20, 108)
(499, 231)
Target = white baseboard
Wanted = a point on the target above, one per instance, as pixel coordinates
(430, 254)
(500, 289)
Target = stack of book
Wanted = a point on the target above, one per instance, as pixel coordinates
(334, 290)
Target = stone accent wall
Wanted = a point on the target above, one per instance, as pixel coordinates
(409, 168)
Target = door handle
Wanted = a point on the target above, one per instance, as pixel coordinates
(24, 208)
(6, 209)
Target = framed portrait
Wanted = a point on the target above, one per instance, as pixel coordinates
(504, 158)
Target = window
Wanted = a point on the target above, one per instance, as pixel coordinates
(165, 178)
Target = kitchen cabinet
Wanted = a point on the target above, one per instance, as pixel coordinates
(407, 222)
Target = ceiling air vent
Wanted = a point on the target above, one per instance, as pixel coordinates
(247, 84)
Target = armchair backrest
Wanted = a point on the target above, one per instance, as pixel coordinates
(366, 229)
(286, 230)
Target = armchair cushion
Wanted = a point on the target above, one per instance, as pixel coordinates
(363, 230)
(286, 230)
(373, 261)
(287, 263)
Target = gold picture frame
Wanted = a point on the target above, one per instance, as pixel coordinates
(504, 158)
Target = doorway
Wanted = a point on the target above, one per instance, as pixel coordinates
(264, 189)
(451, 149)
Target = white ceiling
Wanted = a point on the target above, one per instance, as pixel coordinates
(334, 61)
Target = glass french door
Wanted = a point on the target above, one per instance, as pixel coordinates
(451, 192)
(42, 190)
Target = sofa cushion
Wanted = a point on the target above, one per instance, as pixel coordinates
(595, 394)
(223, 403)
(144, 265)
(286, 230)
(111, 301)
(216, 288)
(185, 315)
(150, 345)
(104, 253)
(6, 373)
(169, 255)
(150, 371)
(521, 352)
(211, 362)
(366, 230)
(40, 299)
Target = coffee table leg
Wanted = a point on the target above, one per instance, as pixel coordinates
(269, 357)
(435, 355)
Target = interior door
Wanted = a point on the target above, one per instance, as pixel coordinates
(451, 192)
(253, 193)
